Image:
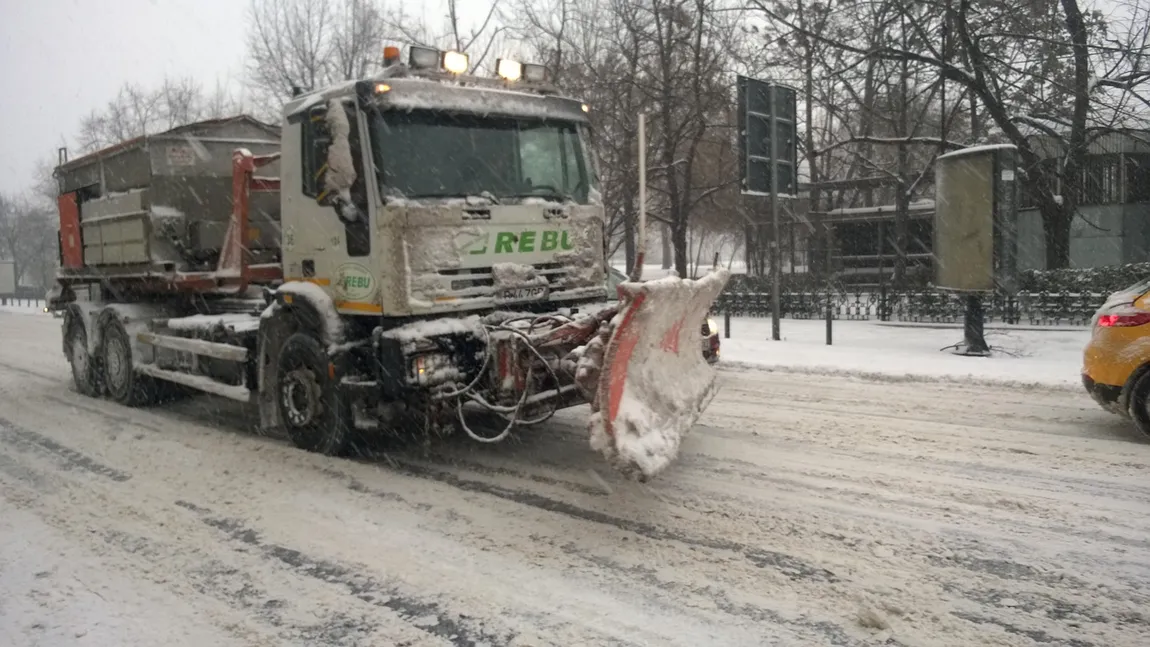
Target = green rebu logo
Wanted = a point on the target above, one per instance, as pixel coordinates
(521, 242)
(354, 282)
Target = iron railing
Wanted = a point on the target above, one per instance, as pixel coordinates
(922, 305)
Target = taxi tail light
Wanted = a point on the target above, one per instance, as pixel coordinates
(1124, 320)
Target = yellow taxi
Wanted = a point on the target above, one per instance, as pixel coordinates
(1116, 361)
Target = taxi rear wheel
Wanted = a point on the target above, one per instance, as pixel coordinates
(1140, 403)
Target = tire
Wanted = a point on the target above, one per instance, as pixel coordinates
(316, 416)
(85, 371)
(1140, 403)
(121, 381)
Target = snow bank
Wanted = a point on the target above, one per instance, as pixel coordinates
(873, 350)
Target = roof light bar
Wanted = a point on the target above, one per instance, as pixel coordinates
(390, 55)
(455, 62)
(534, 73)
(508, 69)
(423, 57)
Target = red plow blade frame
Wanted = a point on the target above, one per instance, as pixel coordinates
(654, 382)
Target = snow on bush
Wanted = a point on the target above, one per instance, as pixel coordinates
(1095, 280)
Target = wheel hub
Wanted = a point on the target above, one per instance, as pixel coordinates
(79, 356)
(117, 368)
(300, 395)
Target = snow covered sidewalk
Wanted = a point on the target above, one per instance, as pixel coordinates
(22, 306)
(1026, 355)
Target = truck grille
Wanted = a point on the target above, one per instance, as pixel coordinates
(473, 280)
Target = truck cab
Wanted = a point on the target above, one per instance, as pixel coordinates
(425, 192)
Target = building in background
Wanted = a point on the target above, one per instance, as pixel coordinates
(1112, 226)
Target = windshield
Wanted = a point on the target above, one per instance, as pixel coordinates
(432, 154)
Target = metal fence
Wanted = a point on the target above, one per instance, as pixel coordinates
(36, 304)
(923, 305)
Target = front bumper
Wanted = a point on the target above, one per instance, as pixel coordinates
(1107, 396)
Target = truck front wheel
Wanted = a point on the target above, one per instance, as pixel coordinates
(315, 414)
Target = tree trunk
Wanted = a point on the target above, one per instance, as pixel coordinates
(1056, 230)
(679, 242)
(629, 237)
(901, 209)
(668, 254)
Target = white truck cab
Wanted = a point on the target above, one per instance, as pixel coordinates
(423, 192)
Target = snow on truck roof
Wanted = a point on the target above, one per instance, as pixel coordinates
(177, 132)
(477, 96)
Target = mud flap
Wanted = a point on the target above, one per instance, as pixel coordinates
(654, 382)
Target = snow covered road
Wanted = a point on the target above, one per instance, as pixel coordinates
(805, 510)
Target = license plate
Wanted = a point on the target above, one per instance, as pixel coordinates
(514, 295)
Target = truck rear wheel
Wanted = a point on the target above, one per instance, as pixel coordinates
(85, 375)
(315, 414)
(123, 383)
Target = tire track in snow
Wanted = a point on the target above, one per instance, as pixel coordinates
(790, 566)
(1073, 613)
(66, 455)
(832, 632)
(425, 615)
(209, 575)
(1035, 635)
(844, 488)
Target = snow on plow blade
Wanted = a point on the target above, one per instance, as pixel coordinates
(654, 382)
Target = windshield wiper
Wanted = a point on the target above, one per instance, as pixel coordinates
(545, 194)
(486, 195)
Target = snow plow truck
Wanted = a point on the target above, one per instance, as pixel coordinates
(401, 253)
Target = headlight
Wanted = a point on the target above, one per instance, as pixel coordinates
(508, 69)
(429, 369)
(455, 62)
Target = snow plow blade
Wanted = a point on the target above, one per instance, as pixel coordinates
(654, 382)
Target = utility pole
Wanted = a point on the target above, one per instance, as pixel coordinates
(776, 266)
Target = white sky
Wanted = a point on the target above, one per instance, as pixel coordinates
(60, 59)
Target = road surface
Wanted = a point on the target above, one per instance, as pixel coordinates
(805, 510)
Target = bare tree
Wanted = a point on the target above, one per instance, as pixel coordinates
(289, 47)
(684, 76)
(28, 237)
(137, 111)
(1029, 69)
